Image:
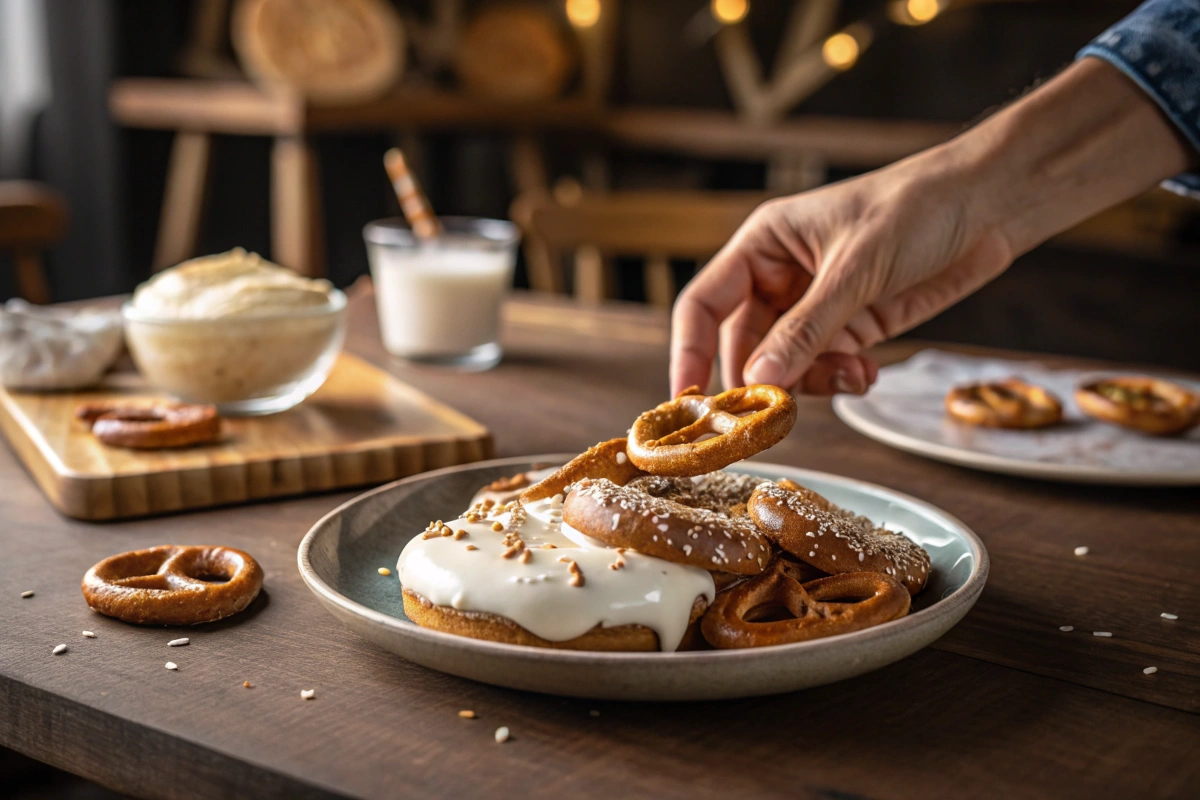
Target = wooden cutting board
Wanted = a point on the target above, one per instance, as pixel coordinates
(362, 427)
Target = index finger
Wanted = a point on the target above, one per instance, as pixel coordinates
(696, 320)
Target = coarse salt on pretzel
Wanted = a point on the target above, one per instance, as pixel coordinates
(151, 426)
(752, 614)
(1150, 405)
(1010, 403)
(621, 517)
(832, 539)
(723, 492)
(173, 585)
(667, 440)
(604, 460)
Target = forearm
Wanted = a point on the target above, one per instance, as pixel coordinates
(1083, 142)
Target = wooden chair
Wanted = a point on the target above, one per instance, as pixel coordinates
(32, 217)
(657, 225)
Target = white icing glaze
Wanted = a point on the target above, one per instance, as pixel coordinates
(538, 595)
(535, 476)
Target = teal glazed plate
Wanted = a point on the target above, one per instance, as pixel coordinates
(340, 557)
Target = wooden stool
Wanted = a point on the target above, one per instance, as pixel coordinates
(657, 225)
(32, 217)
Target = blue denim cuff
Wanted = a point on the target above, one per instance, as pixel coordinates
(1158, 48)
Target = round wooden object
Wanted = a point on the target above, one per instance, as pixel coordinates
(330, 51)
(516, 53)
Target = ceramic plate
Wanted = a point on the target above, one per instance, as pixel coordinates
(340, 557)
(905, 410)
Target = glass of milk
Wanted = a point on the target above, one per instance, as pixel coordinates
(439, 301)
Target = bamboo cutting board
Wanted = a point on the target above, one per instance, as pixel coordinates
(362, 427)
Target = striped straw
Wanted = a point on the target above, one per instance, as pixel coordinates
(413, 202)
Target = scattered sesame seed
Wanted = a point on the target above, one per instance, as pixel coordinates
(1105, 634)
(501, 735)
(497, 526)
(60, 649)
(89, 635)
(1149, 670)
(1066, 628)
(593, 713)
(1165, 615)
(171, 665)
(247, 685)
(308, 694)
(27, 595)
(1081, 551)
(384, 571)
(178, 642)
(467, 713)
(472, 547)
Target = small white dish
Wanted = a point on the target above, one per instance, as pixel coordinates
(339, 560)
(905, 409)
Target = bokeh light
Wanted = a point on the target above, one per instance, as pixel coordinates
(840, 51)
(730, 11)
(583, 13)
(923, 10)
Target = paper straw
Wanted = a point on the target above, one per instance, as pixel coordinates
(413, 202)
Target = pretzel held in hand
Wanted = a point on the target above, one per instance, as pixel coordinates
(173, 585)
(666, 440)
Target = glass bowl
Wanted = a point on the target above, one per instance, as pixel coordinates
(243, 365)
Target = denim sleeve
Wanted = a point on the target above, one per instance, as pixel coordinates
(1158, 47)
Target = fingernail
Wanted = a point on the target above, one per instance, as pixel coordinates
(767, 368)
(845, 383)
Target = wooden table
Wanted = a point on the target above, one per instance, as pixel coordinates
(1005, 705)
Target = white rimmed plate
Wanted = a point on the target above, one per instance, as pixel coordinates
(340, 556)
(905, 409)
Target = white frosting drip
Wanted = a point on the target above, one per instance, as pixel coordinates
(538, 595)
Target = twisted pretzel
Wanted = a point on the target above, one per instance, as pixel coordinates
(622, 517)
(151, 426)
(604, 460)
(173, 585)
(722, 492)
(834, 540)
(666, 440)
(1009, 403)
(1149, 405)
(776, 608)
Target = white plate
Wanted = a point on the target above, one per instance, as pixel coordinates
(905, 409)
(339, 557)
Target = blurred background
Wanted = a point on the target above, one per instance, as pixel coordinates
(627, 138)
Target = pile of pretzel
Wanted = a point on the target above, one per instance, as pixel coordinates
(788, 565)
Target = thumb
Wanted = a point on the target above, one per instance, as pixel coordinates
(800, 335)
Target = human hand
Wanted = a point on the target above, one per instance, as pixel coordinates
(810, 281)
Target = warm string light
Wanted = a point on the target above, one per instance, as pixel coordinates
(583, 13)
(914, 12)
(729, 12)
(840, 51)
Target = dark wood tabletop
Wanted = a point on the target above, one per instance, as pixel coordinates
(1005, 705)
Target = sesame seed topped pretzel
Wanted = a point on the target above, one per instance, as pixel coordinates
(1149, 405)
(151, 426)
(832, 539)
(722, 492)
(623, 517)
(1010, 403)
(173, 585)
(749, 614)
(667, 440)
(604, 460)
